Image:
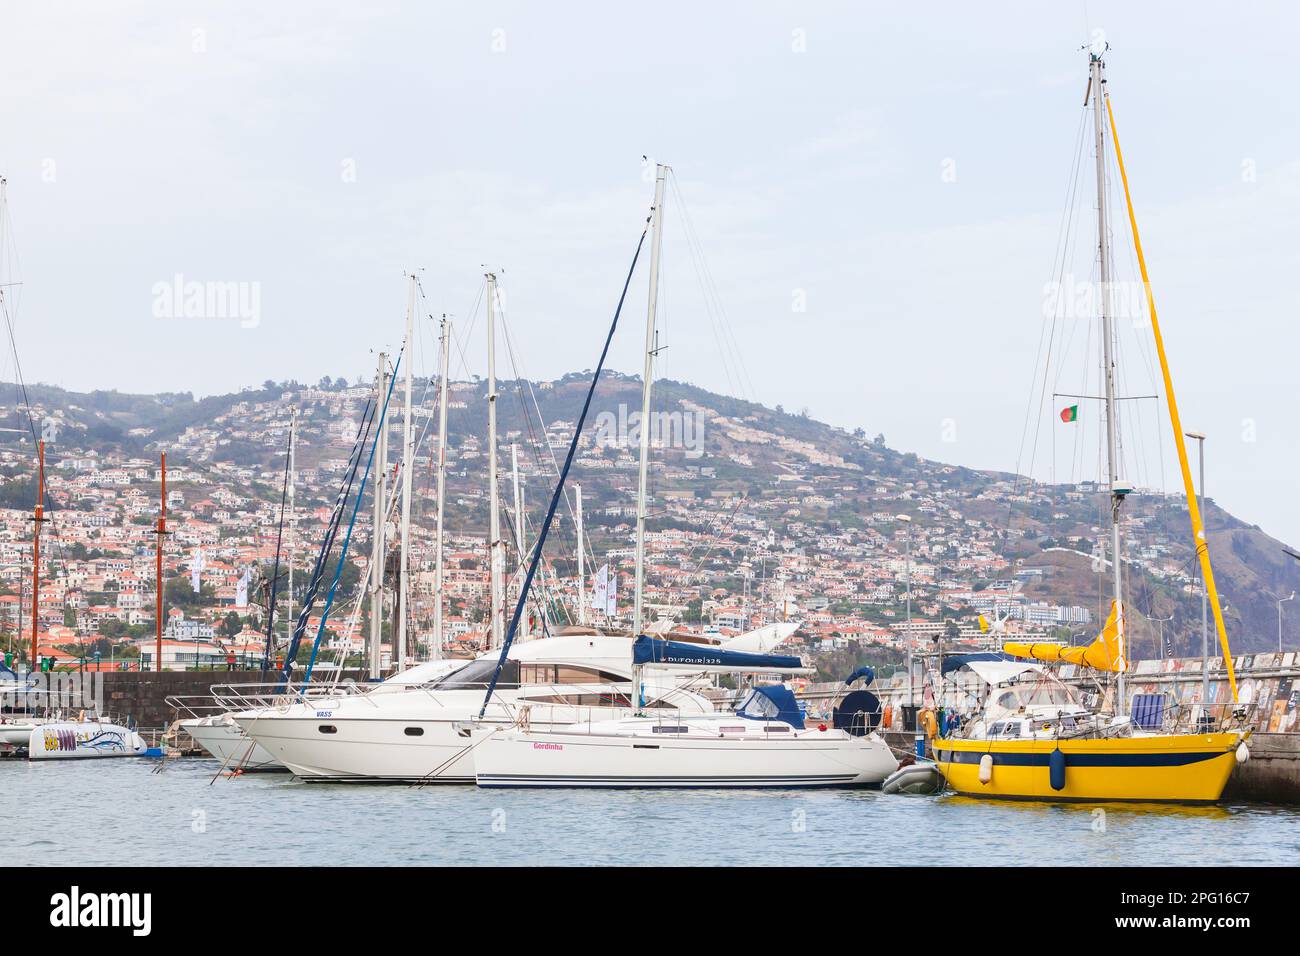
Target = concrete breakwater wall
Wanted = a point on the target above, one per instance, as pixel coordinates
(143, 696)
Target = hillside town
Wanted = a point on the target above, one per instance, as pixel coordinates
(755, 517)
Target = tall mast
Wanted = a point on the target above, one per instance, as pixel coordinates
(519, 529)
(38, 519)
(656, 241)
(377, 544)
(1097, 82)
(582, 571)
(496, 559)
(158, 553)
(442, 487)
(408, 472)
(293, 514)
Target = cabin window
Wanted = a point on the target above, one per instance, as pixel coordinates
(1005, 728)
(414, 731)
(328, 729)
(776, 729)
(477, 674)
(670, 730)
(566, 674)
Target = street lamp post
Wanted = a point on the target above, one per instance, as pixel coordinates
(1205, 606)
(1291, 597)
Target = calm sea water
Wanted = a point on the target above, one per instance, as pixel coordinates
(119, 811)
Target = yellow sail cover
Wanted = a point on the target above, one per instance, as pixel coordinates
(1103, 654)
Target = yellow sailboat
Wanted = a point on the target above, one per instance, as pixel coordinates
(1035, 740)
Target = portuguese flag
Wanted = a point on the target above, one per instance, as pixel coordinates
(1070, 414)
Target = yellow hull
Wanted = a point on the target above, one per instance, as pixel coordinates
(1185, 768)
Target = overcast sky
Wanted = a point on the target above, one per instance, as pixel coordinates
(878, 191)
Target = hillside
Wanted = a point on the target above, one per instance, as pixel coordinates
(754, 493)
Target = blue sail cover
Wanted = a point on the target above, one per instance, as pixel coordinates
(651, 650)
(771, 702)
(866, 673)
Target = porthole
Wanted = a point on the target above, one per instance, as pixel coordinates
(414, 731)
(328, 729)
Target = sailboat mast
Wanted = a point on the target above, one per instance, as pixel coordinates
(377, 545)
(442, 487)
(1097, 82)
(293, 514)
(408, 472)
(496, 615)
(519, 529)
(647, 379)
(582, 571)
(38, 518)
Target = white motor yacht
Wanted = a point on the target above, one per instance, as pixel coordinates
(423, 733)
(212, 725)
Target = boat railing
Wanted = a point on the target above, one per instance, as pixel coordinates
(1197, 718)
(194, 705)
(275, 695)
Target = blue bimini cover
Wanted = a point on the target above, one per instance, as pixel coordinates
(650, 650)
(771, 702)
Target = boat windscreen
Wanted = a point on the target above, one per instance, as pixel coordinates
(476, 674)
(771, 702)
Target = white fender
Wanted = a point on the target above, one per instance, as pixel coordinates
(1243, 752)
(986, 768)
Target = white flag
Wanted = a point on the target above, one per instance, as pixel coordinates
(241, 589)
(196, 568)
(600, 590)
(611, 604)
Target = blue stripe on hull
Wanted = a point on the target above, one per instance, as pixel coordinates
(1078, 759)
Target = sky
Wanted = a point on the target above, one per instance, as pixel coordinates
(875, 198)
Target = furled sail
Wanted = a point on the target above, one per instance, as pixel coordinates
(1104, 653)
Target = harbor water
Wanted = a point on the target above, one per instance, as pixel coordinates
(122, 812)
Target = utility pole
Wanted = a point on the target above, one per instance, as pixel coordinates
(1279, 618)
(1205, 598)
(907, 619)
(158, 553)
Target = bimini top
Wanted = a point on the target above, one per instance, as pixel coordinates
(771, 702)
(991, 668)
(650, 650)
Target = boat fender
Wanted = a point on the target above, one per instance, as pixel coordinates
(1243, 752)
(1056, 769)
(986, 768)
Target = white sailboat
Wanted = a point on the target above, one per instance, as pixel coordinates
(764, 743)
